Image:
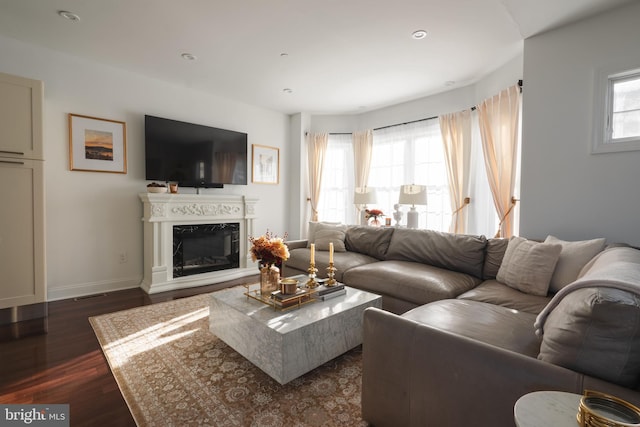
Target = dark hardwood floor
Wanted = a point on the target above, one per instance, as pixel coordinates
(66, 365)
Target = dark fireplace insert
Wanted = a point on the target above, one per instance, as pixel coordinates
(203, 248)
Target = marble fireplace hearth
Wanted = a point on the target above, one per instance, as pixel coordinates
(164, 211)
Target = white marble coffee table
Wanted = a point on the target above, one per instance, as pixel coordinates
(288, 344)
(547, 408)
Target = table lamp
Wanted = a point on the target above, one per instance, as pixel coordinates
(413, 195)
(364, 196)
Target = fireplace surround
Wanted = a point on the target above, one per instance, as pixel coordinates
(165, 215)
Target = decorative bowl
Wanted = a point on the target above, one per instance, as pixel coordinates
(157, 189)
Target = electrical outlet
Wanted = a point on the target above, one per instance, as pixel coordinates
(123, 258)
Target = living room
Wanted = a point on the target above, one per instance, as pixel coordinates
(564, 190)
(94, 218)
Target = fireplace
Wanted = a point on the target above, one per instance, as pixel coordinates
(203, 248)
(195, 239)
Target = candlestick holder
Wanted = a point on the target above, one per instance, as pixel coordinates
(312, 270)
(331, 272)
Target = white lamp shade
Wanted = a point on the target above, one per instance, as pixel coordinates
(413, 195)
(364, 196)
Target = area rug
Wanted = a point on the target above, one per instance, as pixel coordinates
(173, 372)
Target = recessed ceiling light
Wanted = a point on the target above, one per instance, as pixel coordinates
(69, 15)
(284, 54)
(449, 83)
(189, 56)
(419, 34)
(287, 90)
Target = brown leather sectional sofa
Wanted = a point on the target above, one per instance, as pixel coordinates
(453, 346)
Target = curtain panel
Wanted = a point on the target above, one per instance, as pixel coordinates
(456, 137)
(316, 151)
(362, 152)
(499, 119)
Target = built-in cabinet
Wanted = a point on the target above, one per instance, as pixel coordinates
(22, 233)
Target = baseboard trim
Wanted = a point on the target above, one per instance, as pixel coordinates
(91, 288)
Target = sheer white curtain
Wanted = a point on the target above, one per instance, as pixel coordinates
(336, 199)
(456, 137)
(499, 118)
(317, 147)
(412, 154)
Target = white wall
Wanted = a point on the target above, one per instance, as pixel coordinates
(567, 191)
(93, 217)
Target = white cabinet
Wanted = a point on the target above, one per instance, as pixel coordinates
(22, 246)
(20, 117)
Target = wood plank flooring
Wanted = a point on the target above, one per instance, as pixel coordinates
(66, 365)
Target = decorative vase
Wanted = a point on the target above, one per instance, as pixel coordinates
(269, 279)
(375, 222)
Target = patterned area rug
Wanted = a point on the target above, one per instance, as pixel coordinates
(173, 372)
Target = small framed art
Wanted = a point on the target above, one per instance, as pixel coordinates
(97, 145)
(265, 164)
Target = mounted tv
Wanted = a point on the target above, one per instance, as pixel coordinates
(194, 155)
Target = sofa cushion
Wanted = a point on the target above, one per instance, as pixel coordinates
(410, 281)
(573, 257)
(456, 252)
(372, 241)
(493, 255)
(491, 324)
(527, 265)
(494, 292)
(595, 331)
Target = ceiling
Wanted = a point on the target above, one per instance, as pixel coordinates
(316, 56)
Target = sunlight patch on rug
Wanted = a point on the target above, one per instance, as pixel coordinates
(172, 371)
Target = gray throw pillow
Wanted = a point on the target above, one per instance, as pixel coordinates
(595, 331)
(528, 266)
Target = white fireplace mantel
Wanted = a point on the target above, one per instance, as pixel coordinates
(163, 211)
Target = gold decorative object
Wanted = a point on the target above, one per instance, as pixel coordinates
(269, 279)
(288, 286)
(602, 410)
(302, 297)
(331, 272)
(312, 270)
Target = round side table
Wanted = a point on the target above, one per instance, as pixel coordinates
(547, 408)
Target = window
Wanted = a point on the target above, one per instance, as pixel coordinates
(412, 154)
(336, 195)
(617, 111)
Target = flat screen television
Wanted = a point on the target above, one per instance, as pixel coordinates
(194, 155)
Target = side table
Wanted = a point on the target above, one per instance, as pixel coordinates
(547, 408)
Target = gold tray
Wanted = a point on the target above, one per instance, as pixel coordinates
(307, 296)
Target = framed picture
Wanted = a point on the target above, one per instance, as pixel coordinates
(97, 145)
(265, 164)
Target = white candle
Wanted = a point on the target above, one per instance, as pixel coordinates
(331, 252)
(313, 253)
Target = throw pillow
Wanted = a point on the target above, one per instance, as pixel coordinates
(528, 266)
(313, 227)
(573, 257)
(333, 235)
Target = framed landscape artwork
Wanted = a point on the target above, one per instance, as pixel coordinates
(265, 164)
(97, 145)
